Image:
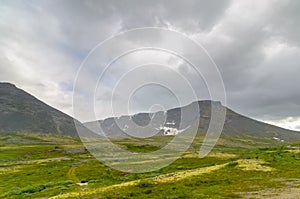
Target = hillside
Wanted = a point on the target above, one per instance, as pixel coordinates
(236, 125)
(22, 112)
(50, 165)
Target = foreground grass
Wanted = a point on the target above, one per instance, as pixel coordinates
(165, 178)
(52, 167)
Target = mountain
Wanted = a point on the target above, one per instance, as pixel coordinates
(22, 112)
(236, 125)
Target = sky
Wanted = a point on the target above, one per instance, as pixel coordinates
(255, 45)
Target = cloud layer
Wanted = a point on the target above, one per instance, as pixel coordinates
(255, 45)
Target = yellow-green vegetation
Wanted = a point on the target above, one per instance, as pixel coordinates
(37, 166)
(253, 165)
(165, 178)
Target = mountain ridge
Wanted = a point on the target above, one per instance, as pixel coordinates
(22, 112)
(236, 125)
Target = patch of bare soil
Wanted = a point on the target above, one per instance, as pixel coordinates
(290, 191)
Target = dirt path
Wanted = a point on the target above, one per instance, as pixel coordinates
(170, 177)
(282, 193)
(290, 191)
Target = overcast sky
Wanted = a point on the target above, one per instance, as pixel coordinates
(254, 43)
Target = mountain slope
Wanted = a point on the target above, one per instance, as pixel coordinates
(21, 112)
(236, 125)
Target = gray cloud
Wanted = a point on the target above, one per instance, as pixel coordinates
(254, 43)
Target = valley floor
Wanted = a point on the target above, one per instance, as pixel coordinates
(35, 166)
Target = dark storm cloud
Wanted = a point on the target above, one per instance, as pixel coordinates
(255, 44)
(258, 54)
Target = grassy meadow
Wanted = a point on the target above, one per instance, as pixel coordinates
(47, 166)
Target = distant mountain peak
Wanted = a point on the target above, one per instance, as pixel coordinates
(235, 125)
(22, 112)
